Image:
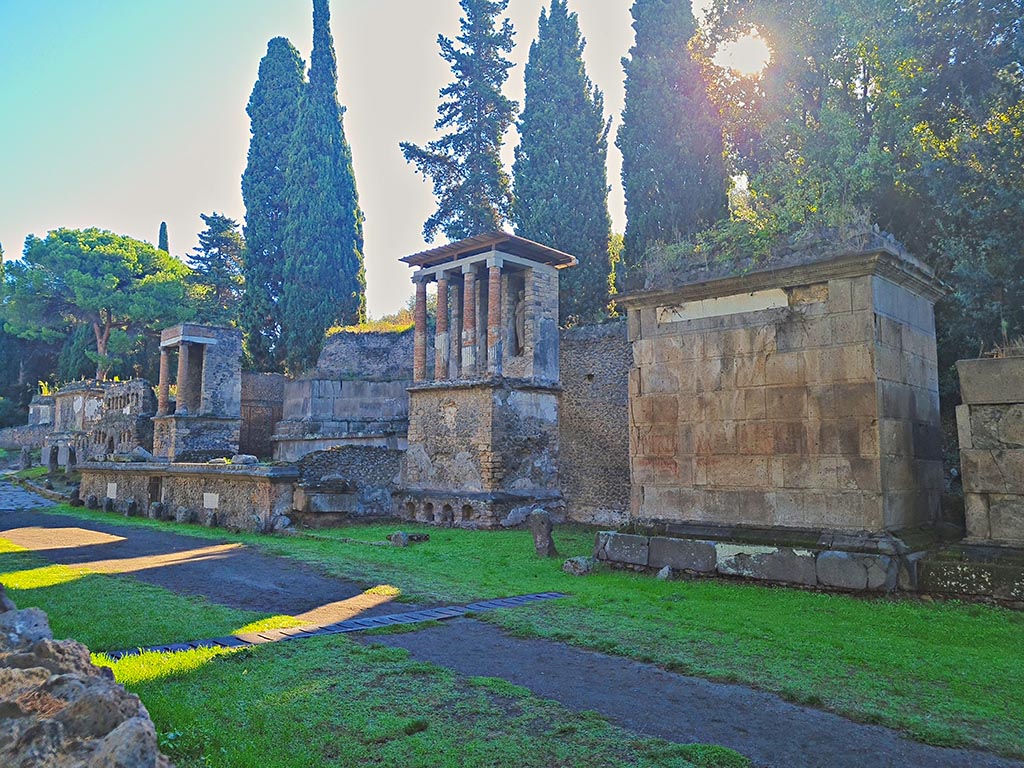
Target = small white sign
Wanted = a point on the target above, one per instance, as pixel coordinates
(111, 490)
(211, 500)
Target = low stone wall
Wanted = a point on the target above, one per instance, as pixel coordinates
(30, 436)
(346, 483)
(59, 709)
(239, 497)
(852, 562)
(376, 356)
(593, 465)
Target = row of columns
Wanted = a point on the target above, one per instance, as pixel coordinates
(163, 392)
(460, 350)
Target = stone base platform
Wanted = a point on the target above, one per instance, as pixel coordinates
(475, 510)
(853, 562)
(973, 570)
(239, 497)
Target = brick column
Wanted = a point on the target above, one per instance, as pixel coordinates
(494, 319)
(163, 391)
(181, 409)
(455, 334)
(441, 341)
(419, 349)
(468, 321)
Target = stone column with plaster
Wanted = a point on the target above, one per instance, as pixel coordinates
(163, 392)
(494, 346)
(419, 354)
(455, 334)
(182, 406)
(441, 342)
(469, 321)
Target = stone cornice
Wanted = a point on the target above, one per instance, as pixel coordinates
(885, 262)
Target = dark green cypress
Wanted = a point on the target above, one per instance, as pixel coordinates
(560, 172)
(671, 138)
(471, 186)
(162, 238)
(273, 111)
(324, 280)
(216, 279)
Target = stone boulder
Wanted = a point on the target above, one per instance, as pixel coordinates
(578, 566)
(60, 710)
(540, 526)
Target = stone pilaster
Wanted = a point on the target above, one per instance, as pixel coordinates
(163, 394)
(182, 407)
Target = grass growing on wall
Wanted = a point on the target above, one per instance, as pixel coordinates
(946, 673)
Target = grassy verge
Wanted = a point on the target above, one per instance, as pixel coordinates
(945, 673)
(321, 701)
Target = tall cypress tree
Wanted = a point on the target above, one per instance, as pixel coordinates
(273, 112)
(162, 238)
(470, 184)
(671, 137)
(324, 281)
(560, 172)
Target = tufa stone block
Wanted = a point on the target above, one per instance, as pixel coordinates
(682, 554)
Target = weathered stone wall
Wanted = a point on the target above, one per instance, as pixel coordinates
(262, 408)
(59, 709)
(485, 445)
(40, 410)
(348, 482)
(355, 396)
(991, 433)
(27, 436)
(367, 356)
(804, 397)
(594, 423)
(246, 498)
(540, 360)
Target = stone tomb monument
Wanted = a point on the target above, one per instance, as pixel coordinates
(207, 417)
(483, 423)
(784, 421)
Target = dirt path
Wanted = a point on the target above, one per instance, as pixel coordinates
(640, 697)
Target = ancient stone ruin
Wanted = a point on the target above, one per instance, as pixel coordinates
(59, 708)
(207, 418)
(483, 428)
(785, 421)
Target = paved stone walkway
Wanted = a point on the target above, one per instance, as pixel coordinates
(640, 697)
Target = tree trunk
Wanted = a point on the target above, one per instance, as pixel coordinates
(102, 337)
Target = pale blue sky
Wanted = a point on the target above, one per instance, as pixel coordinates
(123, 113)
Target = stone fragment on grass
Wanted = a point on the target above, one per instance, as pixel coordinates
(665, 573)
(244, 459)
(540, 526)
(399, 539)
(578, 566)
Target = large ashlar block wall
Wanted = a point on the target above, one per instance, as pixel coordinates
(991, 430)
(798, 397)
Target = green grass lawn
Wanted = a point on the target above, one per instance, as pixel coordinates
(946, 673)
(320, 701)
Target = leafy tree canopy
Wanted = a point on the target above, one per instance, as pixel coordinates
(471, 186)
(118, 286)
